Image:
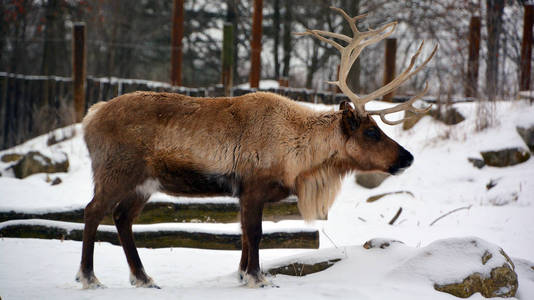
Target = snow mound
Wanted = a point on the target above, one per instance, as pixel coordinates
(451, 260)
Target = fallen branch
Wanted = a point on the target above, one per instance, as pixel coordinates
(450, 212)
(396, 216)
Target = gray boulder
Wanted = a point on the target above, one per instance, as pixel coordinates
(477, 163)
(449, 116)
(527, 134)
(34, 162)
(505, 157)
(10, 157)
(371, 180)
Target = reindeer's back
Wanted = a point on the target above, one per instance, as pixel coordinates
(216, 135)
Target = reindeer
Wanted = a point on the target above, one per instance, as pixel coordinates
(260, 147)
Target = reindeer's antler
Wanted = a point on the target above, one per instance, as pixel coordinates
(350, 53)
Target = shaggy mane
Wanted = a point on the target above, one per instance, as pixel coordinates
(317, 189)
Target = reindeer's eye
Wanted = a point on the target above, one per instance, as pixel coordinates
(372, 133)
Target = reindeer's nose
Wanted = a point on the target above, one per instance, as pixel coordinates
(404, 160)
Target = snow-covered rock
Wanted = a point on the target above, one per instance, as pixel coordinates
(34, 162)
(527, 134)
(505, 157)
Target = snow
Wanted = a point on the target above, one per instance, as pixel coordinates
(207, 274)
(224, 229)
(264, 84)
(440, 180)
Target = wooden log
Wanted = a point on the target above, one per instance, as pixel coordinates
(78, 72)
(473, 61)
(162, 238)
(300, 269)
(526, 48)
(255, 44)
(164, 212)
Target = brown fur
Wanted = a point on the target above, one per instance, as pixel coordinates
(260, 147)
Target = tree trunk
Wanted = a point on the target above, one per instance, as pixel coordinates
(353, 79)
(176, 40)
(287, 37)
(51, 36)
(526, 48)
(276, 36)
(255, 44)
(313, 66)
(472, 62)
(232, 17)
(494, 24)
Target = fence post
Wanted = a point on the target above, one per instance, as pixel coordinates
(283, 82)
(176, 42)
(255, 44)
(389, 66)
(78, 69)
(227, 57)
(526, 48)
(3, 110)
(472, 62)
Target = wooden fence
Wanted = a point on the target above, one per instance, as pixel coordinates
(34, 105)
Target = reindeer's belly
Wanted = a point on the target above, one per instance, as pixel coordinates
(187, 182)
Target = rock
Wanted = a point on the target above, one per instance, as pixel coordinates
(411, 119)
(10, 157)
(527, 134)
(56, 181)
(380, 243)
(505, 157)
(450, 116)
(34, 162)
(502, 282)
(472, 265)
(371, 180)
(477, 163)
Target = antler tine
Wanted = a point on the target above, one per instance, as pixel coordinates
(351, 51)
(401, 78)
(316, 34)
(408, 105)
(350, 20)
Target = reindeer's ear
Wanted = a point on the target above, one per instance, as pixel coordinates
(345, 105)
(350, 120)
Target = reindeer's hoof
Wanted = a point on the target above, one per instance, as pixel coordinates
(241, 276)
(148, 282)
(89, 281)
(258, 281)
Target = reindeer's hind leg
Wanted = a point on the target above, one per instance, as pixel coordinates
(123, 215)
(251, 215)
(93, 215)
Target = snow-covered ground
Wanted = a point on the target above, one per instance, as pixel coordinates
(440, 180)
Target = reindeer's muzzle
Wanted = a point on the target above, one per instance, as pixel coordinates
(404, 160)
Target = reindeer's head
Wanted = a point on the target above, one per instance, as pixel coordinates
(367, 146)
